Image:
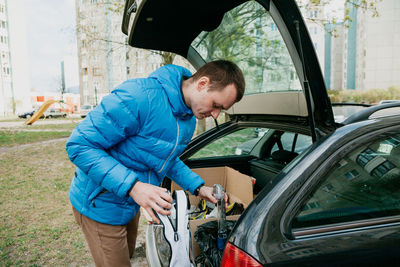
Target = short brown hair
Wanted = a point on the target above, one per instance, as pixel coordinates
(221, 74)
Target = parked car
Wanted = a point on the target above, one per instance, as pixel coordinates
(54, 113)
(85, 109)
(27, 114)
(331, 198)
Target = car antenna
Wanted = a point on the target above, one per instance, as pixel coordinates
(306, 86)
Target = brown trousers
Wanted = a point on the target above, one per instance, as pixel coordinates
(110, 245)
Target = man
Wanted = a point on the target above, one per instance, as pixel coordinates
(131, 141)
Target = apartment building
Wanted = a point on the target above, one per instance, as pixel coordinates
(105, 59)
(366, 53)
(14, 75)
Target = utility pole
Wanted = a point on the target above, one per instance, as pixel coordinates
(62, 80)
(95, 94)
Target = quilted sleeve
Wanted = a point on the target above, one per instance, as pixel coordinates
(184, 176)
(118, 116)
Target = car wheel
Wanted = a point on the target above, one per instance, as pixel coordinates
(64, 115)
(28, 116)
(49, 116)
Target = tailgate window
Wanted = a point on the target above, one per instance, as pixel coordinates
(249, 37)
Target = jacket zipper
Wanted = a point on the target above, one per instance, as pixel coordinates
(173, 150)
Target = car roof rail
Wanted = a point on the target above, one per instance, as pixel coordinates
(334, 104)
(364, 114)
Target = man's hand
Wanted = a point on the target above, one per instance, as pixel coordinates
(206, 192)
(151, 198)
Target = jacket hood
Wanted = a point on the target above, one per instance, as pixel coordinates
(170, 77)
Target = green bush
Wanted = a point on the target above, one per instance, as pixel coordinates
(372, 96)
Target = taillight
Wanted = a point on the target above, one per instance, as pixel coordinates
(234, 256)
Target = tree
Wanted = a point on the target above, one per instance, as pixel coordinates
(369, 6)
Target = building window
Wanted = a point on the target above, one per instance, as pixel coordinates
(393, 141)
(139, 68)
(96, 72)
(351, 174)
(139, 54)
(382, 169)
(365, 156)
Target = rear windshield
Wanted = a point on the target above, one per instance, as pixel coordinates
(249, 37)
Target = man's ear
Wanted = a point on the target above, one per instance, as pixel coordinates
(203, 83)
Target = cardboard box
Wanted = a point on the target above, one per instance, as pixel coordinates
(238, 186)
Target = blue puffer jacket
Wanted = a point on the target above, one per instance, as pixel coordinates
(136, 133)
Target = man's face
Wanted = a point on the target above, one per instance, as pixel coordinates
(208, 103)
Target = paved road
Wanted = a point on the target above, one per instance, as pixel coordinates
(21, 123)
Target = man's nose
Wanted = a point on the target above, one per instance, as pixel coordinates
(215, 113)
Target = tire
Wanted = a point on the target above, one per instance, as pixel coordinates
(28, 116)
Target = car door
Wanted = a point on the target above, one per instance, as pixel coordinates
(348, 210)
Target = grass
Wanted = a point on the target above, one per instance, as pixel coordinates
(37, 226)
(10, 138)
(36, 221)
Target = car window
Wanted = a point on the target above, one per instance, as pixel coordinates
(289, 139)
(342, 112)
(237, 143)
(365, 184)
(248, 36)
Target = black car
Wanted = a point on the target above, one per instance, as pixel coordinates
(326, 193)
(27, 114)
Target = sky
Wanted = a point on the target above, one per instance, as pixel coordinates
(50, 27)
